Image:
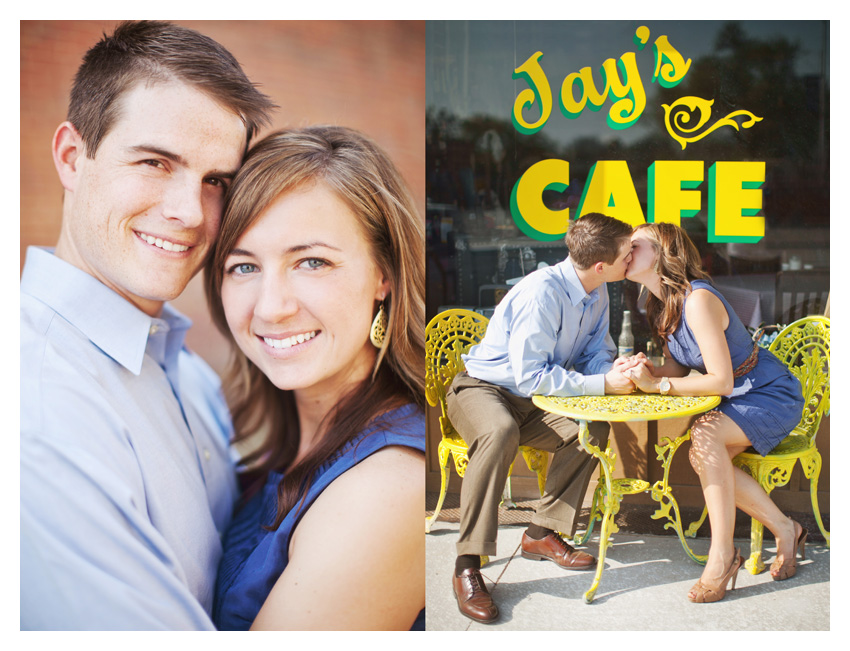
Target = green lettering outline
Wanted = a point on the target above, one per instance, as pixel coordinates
(746, 212)
(523, 224)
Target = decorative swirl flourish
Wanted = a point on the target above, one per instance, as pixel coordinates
(677, 116)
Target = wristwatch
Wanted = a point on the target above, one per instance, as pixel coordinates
(664, 386)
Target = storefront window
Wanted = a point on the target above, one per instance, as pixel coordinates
(573, 114)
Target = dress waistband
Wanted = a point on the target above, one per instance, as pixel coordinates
(748, 364)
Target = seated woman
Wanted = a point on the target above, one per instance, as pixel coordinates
(762, 400)
(318, 277)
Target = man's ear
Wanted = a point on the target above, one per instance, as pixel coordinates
(68, 149)
(599, 267)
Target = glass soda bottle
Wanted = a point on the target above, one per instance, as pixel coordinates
(626, 344)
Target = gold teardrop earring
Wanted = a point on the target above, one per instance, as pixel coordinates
(379, 328)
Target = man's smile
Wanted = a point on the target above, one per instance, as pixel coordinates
(161, 243)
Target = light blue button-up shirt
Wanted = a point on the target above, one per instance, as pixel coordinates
(547, 336)
(127, 479)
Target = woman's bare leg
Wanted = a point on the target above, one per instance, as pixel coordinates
(715, 440)
(751, 498)
(710, 437)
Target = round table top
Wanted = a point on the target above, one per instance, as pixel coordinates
(619, 409)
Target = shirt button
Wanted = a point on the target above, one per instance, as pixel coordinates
(207, 454)
(154, 329)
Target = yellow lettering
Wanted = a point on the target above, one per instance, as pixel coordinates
(630, 93)
(570, 106)
(670, 66)
(734, 197)
(671, 192)
(529, 212)
(734, 201)
(609, 189)
(538, 91)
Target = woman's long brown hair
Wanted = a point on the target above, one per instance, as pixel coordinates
(363, 177)
(678, 264)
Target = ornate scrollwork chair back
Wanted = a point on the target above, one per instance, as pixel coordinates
(449, 335)
(803, 347)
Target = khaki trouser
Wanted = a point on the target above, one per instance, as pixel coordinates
(494, 423)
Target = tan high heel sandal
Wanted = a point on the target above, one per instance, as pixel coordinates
(702, 594)
(788, 567)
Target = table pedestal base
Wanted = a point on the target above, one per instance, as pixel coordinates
(609, 493)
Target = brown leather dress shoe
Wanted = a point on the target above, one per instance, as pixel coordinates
(554, 548)
(473, 599)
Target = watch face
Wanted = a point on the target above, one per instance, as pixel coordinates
(665, 385)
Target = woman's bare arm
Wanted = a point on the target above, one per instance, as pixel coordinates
(670, 367)
(357, 558)
(708, 321)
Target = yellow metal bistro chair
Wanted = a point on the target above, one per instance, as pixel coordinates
(803, 347)
(449, 335)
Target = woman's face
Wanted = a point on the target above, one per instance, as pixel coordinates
(298, 293)
(642, 266)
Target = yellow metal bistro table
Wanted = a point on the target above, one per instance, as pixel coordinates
(609, 492)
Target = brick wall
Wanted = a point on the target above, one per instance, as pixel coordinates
(365, 75)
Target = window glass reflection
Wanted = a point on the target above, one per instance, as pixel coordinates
(476, 153)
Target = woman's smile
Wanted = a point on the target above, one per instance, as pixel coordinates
(278, 343)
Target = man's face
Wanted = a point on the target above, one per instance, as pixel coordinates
(146, 209)
(617, 270)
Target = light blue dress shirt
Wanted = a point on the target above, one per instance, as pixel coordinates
(547, 336)
(127, 478)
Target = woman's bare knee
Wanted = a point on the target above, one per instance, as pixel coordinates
(693, 457)
(704, 441)
(715, 438)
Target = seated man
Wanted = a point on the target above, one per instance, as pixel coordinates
(554, 320)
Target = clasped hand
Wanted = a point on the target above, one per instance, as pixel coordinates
(628, 373)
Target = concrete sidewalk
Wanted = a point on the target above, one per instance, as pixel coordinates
(644, 587)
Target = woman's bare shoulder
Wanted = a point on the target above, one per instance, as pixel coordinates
(703, 302)
(377, 508)
(390, 476)
(391, 462)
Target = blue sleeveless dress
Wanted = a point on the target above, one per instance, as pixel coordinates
(767, 402)
(254, 558)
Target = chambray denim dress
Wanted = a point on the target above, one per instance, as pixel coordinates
(254, 558)
(767, 402)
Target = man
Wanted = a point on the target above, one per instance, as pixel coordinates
(126, 478)
(548, 336)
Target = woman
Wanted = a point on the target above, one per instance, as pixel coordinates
(318, 278)
(762, 400)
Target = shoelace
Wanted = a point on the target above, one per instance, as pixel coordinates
(563, 543)
(477, 582)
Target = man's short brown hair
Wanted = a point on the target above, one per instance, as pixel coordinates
(596, 238)
(154, 51)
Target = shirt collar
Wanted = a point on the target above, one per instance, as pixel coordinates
(111, 322)
(575, 290)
